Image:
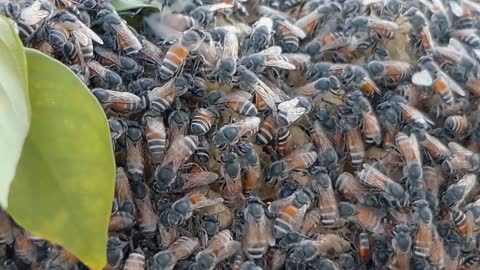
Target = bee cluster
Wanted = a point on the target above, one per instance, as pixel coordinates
(297, 134)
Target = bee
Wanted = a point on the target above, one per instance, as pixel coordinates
(231, 171)
(33, 18)
(364, 246)
(260, 35)
(368, 218)
(180, 150)
(464, 223)
(343, 48)
(178, 123)
(250, 82)
(182, 209)
(372, 177)
(267, 131)
(285, 142)
(193, 179)
(108, 58)
(357, 76)
(457, 124)
(326, 152)
(292, 110)
(474, 208)
(119, 102)
(422, 36)
(461, 159)
(408, 148)
(435, 148)
(456, 194)
(150, 54)
(25, 249)
(141, 86)
(202, 121)
(384, 28)
(308, 22)
(258, 236)
(120, 221)
(370, 125)
(147, 219)
(114, 253)
(173, 61)
(125, 39)
(123, 193)
(155, 134)
(318, 70)
(321, 86)
(221, 247)
(238, 101)
(227, 64)
(402, 245)
(162, 97)
(135, 261)
(253, 170)
(437, 250)
(433, 179)
(6, 229)
(423, 236)
(179, 250)
(135, 157)
(104, 76)
(351, 188)
(309, 250)
(298, 160)
(10, 10)
(290, 212)
(118, 129)
(205, 14)
(390, 72)
(272, 57)
(231, 133)
(354, 142)
(327, 203)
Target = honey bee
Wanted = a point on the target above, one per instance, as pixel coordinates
(372, 177)
(272, 57)
(351, 188)
(205, 14)
(292, 110)
(370, 125)
(357, 76)
(260, 36)
(290, 212)
(179, 250)
(327, 203)
(135, 261)
(32, 18)
(227, 64)
(435, 148)
(368, 218)
(423, 236)
(423, 40)
(231, 171)
(326, 152)
(178, 123)
(364, 246)
(182, 209)
(433, 179)
(125, 39)
(253, 171)
(123, 193)
(221, 247)
(321, 86)
(285, 142)
(162, 97)
(120, 102)
(267, 130)
(135, 155)
(301, 159)
(402, 245)
(354, 141)
(120, 220)
(258, 236)
(438, 251)
(384, 28)
(456, 194)
(318, 70)
(238, 101)
(309, 249)
(180, 150)
(114, 253)
(231, 133)
(343, 48)
(173, 61)
(415, 117)
(188, 181)
(390, 72)
(25, 249)
(6, 229)
(461, 160)
(202, 121)
(408, 148)
(108, 58)
(147, 219)
(457, 124)
(155, 134)
(308, 22)
(104, 76)
(465, 224)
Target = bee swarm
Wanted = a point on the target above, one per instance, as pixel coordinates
(270, 134)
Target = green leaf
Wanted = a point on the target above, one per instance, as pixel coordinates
(123, 5)
(14, 105)
(63, 189)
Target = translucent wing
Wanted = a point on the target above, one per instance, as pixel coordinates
(279, 62)
(98, 68)
(218, 6)
(422, 78)
(198, 179)
(125, 33)
(34, 14)
(179, 151)
(230, 46)
(297, 31)
(235, 97)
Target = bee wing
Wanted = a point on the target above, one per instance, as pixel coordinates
(235, 97)
(121, 97)
(249, 125)
(415, 146)
(122, 187)
(198, 179)
(338, 43)
(98, 68)
(293, 112)
(162, 91)
(218, 6)
(183, 247)
(382, 24)
(227, 250)
(178, 151)
(274, 50)
(422, 78)
(150, 51)
(123, 31)
(453, 84)
(207, 203)
(279, 204)
(279, 62)
(297, 31)
(413, 111)
(230, 46)
(267, 94)
(457, 148)
(110, 55)
(34, 14)
(88, 32)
